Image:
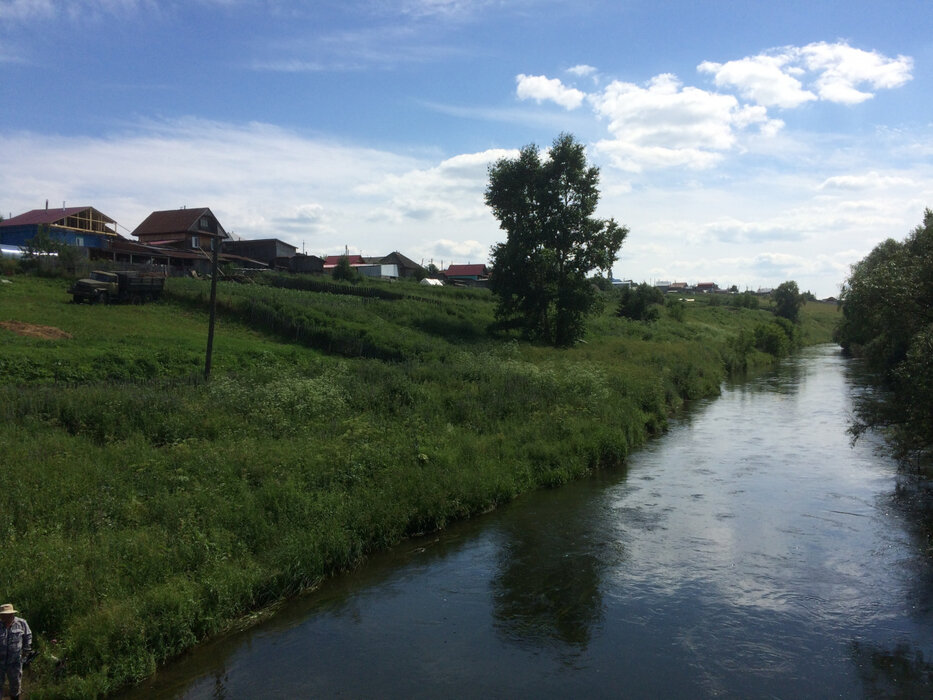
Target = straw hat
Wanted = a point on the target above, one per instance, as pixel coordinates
(7, 609)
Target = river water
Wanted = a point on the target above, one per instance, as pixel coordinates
(750, 552)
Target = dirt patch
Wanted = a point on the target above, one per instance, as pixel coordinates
(33, 331)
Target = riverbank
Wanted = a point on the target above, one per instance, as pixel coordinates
(721, 561)
(152, 510)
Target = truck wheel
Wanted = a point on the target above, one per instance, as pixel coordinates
(76, 299)
(137, 299)
(102, 297)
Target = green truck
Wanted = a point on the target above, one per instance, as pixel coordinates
(104, 287)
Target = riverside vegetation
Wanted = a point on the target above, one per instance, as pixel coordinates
(887, 319)
(144, 509)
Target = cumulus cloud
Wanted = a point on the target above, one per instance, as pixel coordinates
(762, 79)
(665, 124)
(842, 69)
(832, 72)
(582, 70)
(540, 88)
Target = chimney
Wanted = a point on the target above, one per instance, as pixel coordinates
(46, 205)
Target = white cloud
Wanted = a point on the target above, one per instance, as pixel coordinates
(843, 69)
(449, 192)
(582, 70)
(540, 88)
(833, 72)
(734, 230)
(763, 79)
(868, 181)
(665, 124)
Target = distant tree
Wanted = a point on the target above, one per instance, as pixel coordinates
(433, 271)
(787, 301)
(546, 207)
(640, 303)
(604, 284)
(344, 270)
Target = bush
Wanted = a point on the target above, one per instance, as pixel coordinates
(676, 309)
(640, 303)
(770, 338)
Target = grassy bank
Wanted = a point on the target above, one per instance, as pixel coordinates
(145, 509)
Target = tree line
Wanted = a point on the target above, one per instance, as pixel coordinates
(887, 318)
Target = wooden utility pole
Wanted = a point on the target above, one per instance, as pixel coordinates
(210, 328)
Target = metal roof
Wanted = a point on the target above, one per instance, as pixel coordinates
(466, 270)
(50, 216)
(177, 221)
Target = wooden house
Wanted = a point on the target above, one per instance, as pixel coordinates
(197, 230)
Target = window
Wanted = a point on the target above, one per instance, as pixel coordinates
(195, 242)
(203, 223)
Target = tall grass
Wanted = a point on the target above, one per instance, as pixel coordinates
(146, 509)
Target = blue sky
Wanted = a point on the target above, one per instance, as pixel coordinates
(742, 142)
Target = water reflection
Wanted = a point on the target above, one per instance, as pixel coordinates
(900, 672)
(550, 566)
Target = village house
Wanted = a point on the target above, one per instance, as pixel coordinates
(268, 250)
(85, 227)
(193, 231)
(471, 275)
(301, 264)
(406, 266)
(197, 229)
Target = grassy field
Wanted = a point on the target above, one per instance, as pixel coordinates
(146, 509)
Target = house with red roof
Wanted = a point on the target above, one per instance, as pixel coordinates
(466, 273)
(331, 261)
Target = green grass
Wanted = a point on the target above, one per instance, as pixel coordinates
(150, 509)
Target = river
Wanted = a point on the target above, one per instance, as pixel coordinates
(752, 551)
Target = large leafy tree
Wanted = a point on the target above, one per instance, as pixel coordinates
(787, 301)
(546, 205)
(887, 318)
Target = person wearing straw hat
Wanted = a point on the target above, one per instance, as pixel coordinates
(15, 643)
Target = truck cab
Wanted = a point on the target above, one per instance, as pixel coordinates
(99, 287)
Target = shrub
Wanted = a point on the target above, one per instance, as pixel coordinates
(639, 303)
